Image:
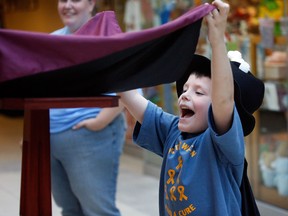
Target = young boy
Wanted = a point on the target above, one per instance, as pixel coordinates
(203, 148)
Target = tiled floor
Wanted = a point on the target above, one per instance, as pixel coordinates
(137, 193)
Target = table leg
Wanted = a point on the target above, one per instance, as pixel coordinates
(36, 177)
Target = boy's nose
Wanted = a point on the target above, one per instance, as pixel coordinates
(185, 96)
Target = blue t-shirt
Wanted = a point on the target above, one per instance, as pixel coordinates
(64, 119)
(200, 175)
(62, 31)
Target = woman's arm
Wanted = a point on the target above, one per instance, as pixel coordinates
(106, 116)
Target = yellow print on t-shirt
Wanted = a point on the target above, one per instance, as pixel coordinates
(175, 148)
(176, 193)
(184, 146)
(183, 212)
(180, 163)
(171, 174)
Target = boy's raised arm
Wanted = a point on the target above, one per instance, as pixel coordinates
(135, 103)
(221, 72)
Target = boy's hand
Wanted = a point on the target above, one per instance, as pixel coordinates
(216, 21)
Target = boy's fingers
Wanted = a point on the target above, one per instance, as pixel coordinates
(221, 6)
(210, 15)
(215, 12)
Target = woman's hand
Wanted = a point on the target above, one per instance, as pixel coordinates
(105, 117)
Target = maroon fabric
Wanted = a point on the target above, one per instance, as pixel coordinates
(27, 53)
(98, 58)
(102, 24)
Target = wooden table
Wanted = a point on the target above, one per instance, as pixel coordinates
(35, 198)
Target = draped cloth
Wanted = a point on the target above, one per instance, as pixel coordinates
(97, 59)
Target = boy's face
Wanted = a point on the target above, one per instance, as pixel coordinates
(194, 103)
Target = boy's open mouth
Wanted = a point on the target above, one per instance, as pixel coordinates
(186, 113)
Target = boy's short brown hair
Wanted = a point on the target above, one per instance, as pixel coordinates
(248, 90)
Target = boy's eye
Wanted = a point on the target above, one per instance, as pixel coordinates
(199, 93)
(183, 91)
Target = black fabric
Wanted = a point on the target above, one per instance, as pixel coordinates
(248, 96)
(160, 61)
(249, 206)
